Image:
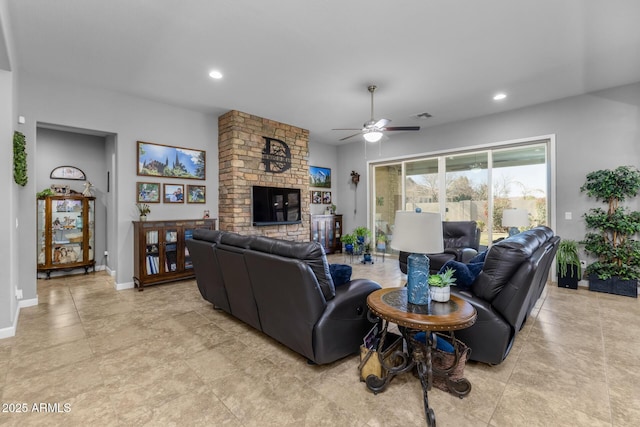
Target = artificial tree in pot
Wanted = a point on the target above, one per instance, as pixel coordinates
(617, 268)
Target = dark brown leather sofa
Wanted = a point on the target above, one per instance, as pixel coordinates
(283, 289)
(512, 279)
(461, 243)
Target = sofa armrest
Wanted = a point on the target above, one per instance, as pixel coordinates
(490, 337)
(350, 299)
(462, 254)
(466, 254)
(343, 325)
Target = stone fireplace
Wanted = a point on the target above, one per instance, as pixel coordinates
(244, 160)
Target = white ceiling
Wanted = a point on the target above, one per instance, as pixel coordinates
(308, 63)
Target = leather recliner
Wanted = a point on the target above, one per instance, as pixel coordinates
(512, 279)
(461, 242)
(283, 289)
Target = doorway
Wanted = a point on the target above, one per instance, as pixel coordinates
(90, 152)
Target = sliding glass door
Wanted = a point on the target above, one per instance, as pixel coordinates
(467, 177)
(467, 186)
(519, 183)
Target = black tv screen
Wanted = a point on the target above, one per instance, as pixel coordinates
(273, 205)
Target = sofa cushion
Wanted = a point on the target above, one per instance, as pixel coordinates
(340, 273)
(236, 240)
(312, 253)
(465, 274)
(502, 260)
(212, 236)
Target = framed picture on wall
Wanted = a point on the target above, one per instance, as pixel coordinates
(170, 162)
(319, 177)
(173, 193)
(316, 197)
(148, 192)
(196, 194)
(326, 197)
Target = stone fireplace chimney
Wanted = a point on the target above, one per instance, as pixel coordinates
(245, 159)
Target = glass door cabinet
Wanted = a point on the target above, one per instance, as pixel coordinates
(161, 254)
(65, 233)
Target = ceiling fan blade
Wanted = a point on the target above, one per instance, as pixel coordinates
(351, 136)
(402, 128)
(381, 123)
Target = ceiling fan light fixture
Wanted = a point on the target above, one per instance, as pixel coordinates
(215, 74)
(373, 136)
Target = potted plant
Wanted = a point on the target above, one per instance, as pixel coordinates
(381, 242)
(568, 264)
(439, 285)
(362, 233)
(349, 240)
(366, 257)
(617, 267)
(143, 209)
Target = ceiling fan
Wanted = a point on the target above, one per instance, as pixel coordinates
(372, 130)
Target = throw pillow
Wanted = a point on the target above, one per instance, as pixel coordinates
(465, 274)
(340, 273)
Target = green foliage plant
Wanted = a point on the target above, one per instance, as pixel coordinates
(362, 231)
(19, 159)
(612, 242)
(348, 239)
(567, 255)
(442, 280)
(143, 208)
(44, 193)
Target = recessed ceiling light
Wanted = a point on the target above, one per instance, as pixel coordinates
(499, 96)
(215, 74)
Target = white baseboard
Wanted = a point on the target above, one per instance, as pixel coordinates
(11, 330)
(121, 286)
(28, 302)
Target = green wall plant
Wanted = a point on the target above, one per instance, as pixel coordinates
(19, 159)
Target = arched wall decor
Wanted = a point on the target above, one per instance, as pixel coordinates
(68, 172)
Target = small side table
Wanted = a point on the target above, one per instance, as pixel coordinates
(390, 304)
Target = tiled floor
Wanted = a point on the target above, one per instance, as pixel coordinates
(165, 357)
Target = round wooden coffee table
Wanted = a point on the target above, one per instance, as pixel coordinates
(391, 305)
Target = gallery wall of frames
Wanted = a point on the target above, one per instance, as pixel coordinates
(167, 161)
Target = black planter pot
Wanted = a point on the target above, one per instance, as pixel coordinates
(571, 279)
(614, 285)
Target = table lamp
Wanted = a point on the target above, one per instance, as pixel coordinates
(514, 218)
(418, 233)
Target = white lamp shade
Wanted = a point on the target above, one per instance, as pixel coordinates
(373, 136)
(418, 232)
(515, 218)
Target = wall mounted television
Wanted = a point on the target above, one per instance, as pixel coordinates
(274, 205)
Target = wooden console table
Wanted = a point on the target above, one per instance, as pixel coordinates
(390, 305)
